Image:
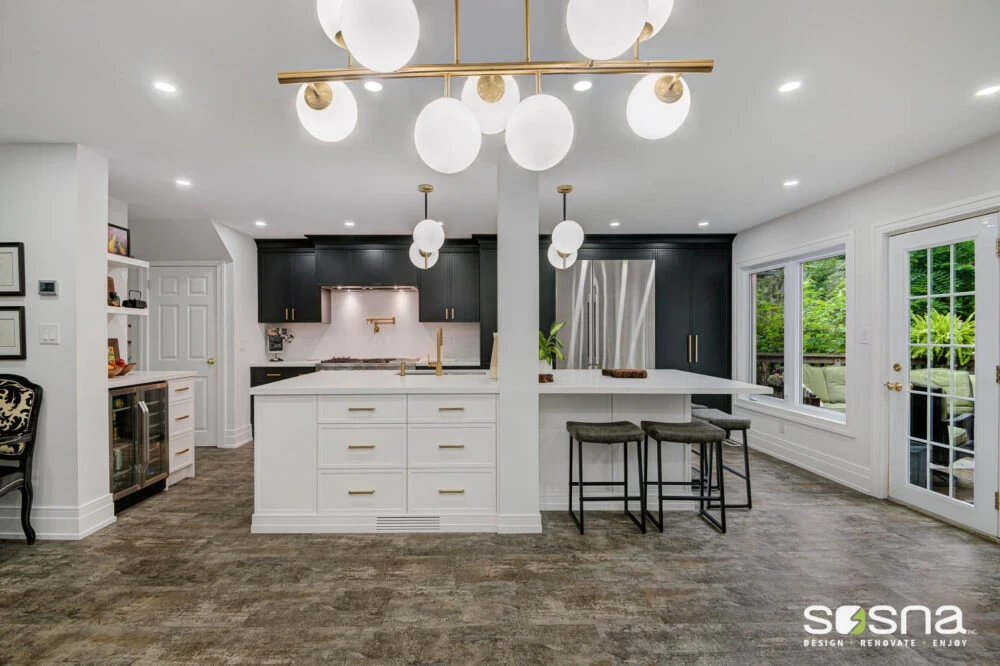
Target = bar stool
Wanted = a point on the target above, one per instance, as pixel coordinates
(729, 423)
(618, 432)
(694, 432)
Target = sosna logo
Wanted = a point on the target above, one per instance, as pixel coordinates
(852, 620)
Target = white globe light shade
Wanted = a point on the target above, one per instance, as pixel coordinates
(381, 34)
(648, 116)
(418, 259)
(604, 29)
(556, 260)
(428, 235)
(335, 122)
(493, 116)
(329, 17)
(539, 132)
(567, 236)
(659, 12)
(447, 135)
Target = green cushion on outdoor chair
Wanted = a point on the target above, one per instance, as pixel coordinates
(815, 381)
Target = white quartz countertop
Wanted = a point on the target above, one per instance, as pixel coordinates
(137, 377)
(285, 364)
(659, 382)
(370, 382)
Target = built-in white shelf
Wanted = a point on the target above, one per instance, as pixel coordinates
(135, 312)
(118, 261)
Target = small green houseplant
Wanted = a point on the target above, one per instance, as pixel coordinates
(549, 348)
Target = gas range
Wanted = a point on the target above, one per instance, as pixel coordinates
(350, 363)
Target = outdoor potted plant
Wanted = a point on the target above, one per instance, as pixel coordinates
(549, 349)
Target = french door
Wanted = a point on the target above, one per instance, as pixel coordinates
(944, 287)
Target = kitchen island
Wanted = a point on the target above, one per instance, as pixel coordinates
(372, 451)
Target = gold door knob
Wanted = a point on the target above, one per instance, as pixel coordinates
(894, 386)
(211, 361)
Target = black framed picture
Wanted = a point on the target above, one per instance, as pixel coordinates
(11, 269)
(118, 241)
(12, 333)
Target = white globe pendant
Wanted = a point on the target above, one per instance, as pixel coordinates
(492, 115)
(329, 18)
(381, 34)
(428, 235)
(604, 29)
(539, 132)
(447, 135)
(659, 12)
(336, 121)
(649, 116)
(561, 260)
(567, 237)
(421, 261)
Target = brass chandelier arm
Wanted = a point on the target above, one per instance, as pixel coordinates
(558, 67)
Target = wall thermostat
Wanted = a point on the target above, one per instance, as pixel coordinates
(48, 288)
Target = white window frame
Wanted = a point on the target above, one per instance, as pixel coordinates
(791, 405)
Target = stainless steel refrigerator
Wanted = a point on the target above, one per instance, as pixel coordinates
(609, 310)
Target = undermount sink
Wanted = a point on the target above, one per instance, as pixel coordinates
(456, 371)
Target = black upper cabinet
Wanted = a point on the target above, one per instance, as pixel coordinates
(333, 267)
(286, 286)
(673, 308)
(488, 313)
(364, 267)
(449, 290)
(397, 269)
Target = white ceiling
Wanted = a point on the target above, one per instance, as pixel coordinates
(886, 85)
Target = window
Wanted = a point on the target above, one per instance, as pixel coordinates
(799, 332)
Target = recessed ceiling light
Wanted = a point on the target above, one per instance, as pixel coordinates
(583, 85)
(704, 223)
(615, 223)
(183, 182)
(791, 183)
(261, 223)
(165, 87)
(789, 86)
(373, 86)
(349, 223)
(985, 92)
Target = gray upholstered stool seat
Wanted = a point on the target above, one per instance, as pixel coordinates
(605, 433)
(720, 419)
(693, 432)
(695, 405)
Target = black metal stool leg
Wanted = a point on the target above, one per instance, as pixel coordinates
(707, 501)
(577, 521)
(642, 484)
(579, 453)
(746, 469)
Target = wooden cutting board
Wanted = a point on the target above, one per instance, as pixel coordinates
(625, 373)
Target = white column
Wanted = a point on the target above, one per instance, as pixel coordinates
(517, 298)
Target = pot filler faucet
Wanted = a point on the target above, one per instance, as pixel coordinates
(438, 367)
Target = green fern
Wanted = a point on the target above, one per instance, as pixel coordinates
(935, 330)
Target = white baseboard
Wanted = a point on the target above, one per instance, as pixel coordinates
(519, 523)
(237, 437)
(59, 523)
(852, 475)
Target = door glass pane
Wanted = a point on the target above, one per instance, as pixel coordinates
(942, 368)
(824, 333)
(123, 442)
(917, 462)
(156, 403)
(768, 289)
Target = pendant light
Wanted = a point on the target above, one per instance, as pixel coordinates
(604, 29)
(382, 34)
(329, 19)
(328, 111)
(447, 134)
(567, 237)
(428, 237)
(658, 105)
(539, 131)
(492, 99)
(656, 17)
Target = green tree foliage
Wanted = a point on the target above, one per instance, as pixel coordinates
(824, 306)
(770, 299)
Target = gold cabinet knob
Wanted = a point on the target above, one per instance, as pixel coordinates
(211, 361)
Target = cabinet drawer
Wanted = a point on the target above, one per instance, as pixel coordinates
(181, 416)
(452, 491)
(181, 450)
(447, 408)
(451, 445)
(362, 491)
(362, 446)
(181, 389)
(362, 409)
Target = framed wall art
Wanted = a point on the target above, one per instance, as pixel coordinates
(12, 333)
(11, 269)
(118, 241)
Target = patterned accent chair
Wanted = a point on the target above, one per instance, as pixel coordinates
(20, 404)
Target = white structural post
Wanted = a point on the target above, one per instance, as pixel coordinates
(517, 292)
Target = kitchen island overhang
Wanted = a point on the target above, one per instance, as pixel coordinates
(377, 452)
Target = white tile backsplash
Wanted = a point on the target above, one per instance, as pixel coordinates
(347, 334)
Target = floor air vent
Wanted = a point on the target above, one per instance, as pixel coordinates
(407, 524)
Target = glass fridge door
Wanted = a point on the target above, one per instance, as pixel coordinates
(125, 438)
(154, 400)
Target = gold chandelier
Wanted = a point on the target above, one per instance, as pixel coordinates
(448, 131)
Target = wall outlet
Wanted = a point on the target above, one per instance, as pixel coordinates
(48, 334)
(781, 427)
(243, 345)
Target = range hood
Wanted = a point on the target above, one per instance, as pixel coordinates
(373, 287)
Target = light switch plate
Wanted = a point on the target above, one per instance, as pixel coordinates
(48, 334)
(48, 287)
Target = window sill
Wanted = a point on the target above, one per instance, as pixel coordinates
(802, 415)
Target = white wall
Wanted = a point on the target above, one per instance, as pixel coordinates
(118, 213)
(854, 454)
(348, 335)
(54, 199)
(176, 240)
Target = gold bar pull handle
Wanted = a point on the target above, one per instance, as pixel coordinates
(695, 348)
(451, 446)
(360, 492)
(451, 409)
(182, 451)
(689, 348)
(361, 446)
(188, 388)
(361, 409)
(457, 491)
(270, 374)
(181, 418)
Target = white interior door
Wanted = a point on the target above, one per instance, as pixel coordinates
(944, 351)
(183, 336)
